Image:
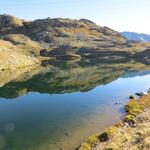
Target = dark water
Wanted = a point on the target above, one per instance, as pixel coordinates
(60, 104)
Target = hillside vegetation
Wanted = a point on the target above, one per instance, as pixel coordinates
(10, 59)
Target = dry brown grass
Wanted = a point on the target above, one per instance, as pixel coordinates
(22, 44)
(10, 59)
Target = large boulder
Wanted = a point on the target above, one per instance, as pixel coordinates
(9, 21)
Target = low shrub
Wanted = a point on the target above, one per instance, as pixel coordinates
(109, 132)
(129, 118)
(134, 107)
(85, 146)
(93, 140)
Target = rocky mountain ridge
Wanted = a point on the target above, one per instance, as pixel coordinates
(53, 30)
(68, 39)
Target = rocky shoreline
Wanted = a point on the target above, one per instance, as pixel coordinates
(132, 132)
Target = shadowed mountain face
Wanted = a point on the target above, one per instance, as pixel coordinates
(58, 77)
(133, 36)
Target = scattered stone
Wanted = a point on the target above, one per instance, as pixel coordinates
(116, 103)
(141, 94)
(103, 137)
(131, 97)
(43, 52)
(67, 134)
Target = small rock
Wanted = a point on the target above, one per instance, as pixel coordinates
(103, 137)
(141, 94)
(116, 103)
(67, 134)
(131, 97)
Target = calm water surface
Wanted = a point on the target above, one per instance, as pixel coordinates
(58, 106)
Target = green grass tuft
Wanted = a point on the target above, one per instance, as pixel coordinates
(85, 146)
(93, 140)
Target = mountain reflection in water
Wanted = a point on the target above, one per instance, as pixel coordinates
(59, 104)
(58, 77)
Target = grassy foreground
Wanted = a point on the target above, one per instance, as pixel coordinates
(131, 133)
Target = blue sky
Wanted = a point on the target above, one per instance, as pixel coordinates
(121, 15)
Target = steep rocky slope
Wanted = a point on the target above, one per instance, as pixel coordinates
(10, 59)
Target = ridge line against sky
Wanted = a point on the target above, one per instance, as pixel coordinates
(121, 15)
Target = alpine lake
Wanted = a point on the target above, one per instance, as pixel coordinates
(57, 105)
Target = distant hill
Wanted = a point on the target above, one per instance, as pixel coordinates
(136, 36)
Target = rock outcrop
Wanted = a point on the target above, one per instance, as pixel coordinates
(7, 21)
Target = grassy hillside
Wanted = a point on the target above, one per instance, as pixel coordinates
(10, 58)
(65, 39)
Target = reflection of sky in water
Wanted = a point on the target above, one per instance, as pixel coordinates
(36, 119)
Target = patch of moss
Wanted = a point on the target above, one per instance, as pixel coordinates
(129, 118)
(136, 110)
(93, 140)
(109, 132)
(130, 104)
(134, 107)
(85, 146)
